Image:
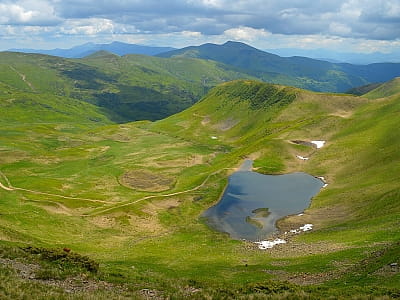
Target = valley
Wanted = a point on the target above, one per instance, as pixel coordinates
(128, 197)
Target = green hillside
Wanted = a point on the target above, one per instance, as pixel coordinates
(361, 90)
(128, 88)
(127, 198)
(387, 89)
(296, 71)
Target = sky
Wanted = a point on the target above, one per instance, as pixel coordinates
(363, 26)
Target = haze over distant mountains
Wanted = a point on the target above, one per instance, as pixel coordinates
(90, 48)
(120, 48)
(340, 57)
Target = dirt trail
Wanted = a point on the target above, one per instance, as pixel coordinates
(23, 77)
(13, 188)
(5, 187)
(156, 196)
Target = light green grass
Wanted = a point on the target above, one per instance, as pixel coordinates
(162, 243)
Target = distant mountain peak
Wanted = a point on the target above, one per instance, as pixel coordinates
(237, 44)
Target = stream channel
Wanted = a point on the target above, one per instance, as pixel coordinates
(252, 202)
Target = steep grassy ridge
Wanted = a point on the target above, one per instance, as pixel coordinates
(153, 242)
(387, 89)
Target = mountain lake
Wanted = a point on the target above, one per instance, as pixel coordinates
(252, 202)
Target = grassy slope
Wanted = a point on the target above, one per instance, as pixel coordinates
(387, 89)
(129, 88)
(161, 244)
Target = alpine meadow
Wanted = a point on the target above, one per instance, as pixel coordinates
(108, 163)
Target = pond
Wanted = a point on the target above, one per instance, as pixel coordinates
(253, 202)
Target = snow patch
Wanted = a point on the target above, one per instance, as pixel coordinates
(263, 245)
(322, 178)
(318, 144)
(302, 158)
(306, 227)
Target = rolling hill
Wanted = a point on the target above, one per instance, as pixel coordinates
(126, 199)
(128, 88)
(301, 72)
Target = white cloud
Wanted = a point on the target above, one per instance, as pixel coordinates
(279, 23)
(12, 13)
(245, 33)
(193, 34)
(339, 29)
(28, 12)
(87, 27)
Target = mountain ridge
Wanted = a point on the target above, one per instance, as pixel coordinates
(89, 48)
(297, 71)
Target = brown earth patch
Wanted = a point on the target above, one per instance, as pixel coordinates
(227, 124)
(103, 221)
(388, 270)
(205, 120)
(154, 207)
(146, 181)
(80, 283)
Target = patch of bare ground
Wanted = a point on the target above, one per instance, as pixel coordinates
(388, 270)
(146, 181)
(205, 120)
(319, 217)
(342, 114)
(74, 284)
(149, 224)
(145, 224)
(154, 207)
(24, 270)
(103, 221)
(226, 124)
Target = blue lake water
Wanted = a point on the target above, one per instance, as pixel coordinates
(253, 202)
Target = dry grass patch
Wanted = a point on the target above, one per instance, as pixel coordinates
(152, 208)
(226, 124)
(319, 217)
(146, 181)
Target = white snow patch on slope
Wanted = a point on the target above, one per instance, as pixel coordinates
(318, 144)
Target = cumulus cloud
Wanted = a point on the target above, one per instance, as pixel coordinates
(246, 20)
(245, 33)
(38, 13)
